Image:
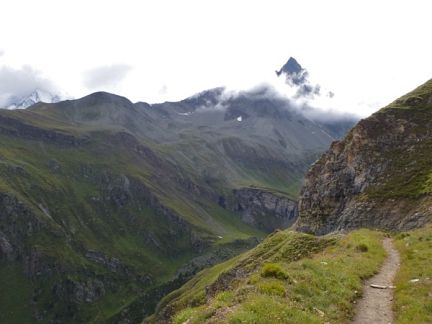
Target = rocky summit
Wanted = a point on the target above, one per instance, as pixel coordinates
(295, 75)
(291, 67)
(378, 176)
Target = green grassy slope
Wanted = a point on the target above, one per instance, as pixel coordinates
(415, 98)
(413, 299)
(288, 278)
(16, 291)
(77, 203)
(99, 190)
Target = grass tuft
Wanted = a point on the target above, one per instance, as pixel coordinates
(362, 247)
(273, 270)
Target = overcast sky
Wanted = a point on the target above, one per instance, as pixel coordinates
(366, 52)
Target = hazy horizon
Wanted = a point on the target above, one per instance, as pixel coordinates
(165, 50)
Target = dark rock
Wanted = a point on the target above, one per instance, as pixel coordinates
(6, 249)
(290, 67)
(263, 209)
(225, 280)
(14, 127)
(87, 291)
(17, 224)
(53, 166)
(110, 263)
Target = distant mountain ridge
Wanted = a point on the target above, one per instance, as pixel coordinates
(32, 98)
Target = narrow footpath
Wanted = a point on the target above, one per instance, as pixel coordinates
(375, 307)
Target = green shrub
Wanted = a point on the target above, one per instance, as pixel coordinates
(274, 270)
(362, 247)
(184, 315)
(275, 288)
(402, 235)
(225, 296)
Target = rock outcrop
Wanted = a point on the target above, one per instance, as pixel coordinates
(378, 176)
(17, 224)
(263, 209)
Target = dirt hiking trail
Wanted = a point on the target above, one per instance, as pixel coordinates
(375, 306)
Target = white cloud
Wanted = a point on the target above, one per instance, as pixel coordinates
(354, 48)
(106, 77)
(21, 82)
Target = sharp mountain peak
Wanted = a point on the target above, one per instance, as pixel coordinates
(290, 67)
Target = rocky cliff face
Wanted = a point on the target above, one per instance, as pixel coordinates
(65, 273)
(263, 209)
(17, 224)
(379, 176)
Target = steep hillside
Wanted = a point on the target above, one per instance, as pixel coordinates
(92, 221)
(106, 205)
(379, 175)
(250, 138)
(289, 278)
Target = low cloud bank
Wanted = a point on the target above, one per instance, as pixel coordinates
(291, 87)
(311, 107)
(18, 83)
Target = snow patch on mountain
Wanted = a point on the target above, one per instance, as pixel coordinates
(32, 98)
